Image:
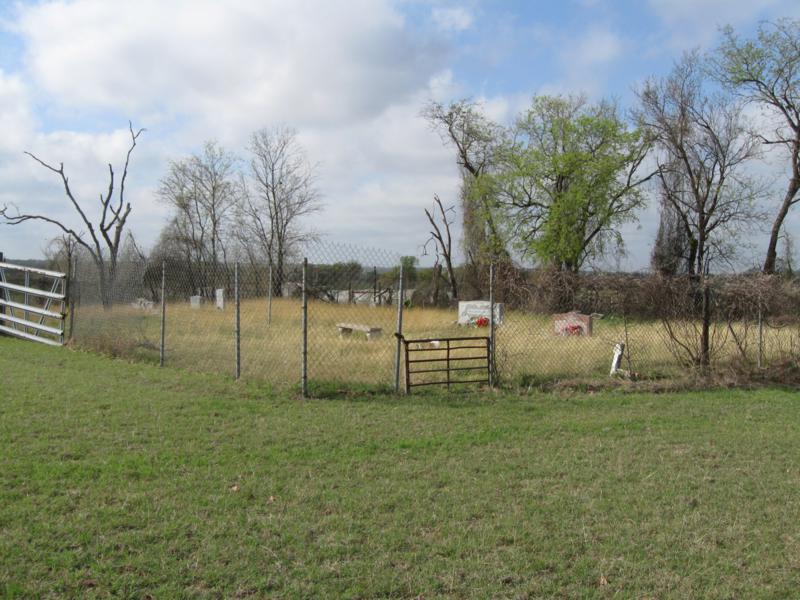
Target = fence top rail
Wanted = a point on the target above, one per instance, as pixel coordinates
(32, 291)
(473, 338)
(5, 265)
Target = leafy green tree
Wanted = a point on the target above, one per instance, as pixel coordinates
(766, 71)
(569, 177)
(409, 264)
(673, 248)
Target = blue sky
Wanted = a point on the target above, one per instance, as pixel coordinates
(351, 77)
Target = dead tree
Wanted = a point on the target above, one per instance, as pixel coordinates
(284, 192)
(765, 71)
(203, 191)
(443, 241)
(101, 238)
(477, 142)
(703, 150)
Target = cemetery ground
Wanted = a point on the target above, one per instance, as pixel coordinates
(123, 479)
(527, 348)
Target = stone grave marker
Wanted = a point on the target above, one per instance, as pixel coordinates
(195, 301)
(470, 311)
(616, 361)
(219, 297)
(572, 323)
(143, 304)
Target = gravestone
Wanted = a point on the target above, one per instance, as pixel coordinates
(572, 323)
(616, 361)
(470, 311)
(195, 301)
(219, 296)
(143, 304)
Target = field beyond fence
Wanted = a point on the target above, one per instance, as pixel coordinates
(753, 324)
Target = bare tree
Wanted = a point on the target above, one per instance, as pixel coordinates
(203, 190)
(766, 71)
(704, 147)
(443, 242)
(477, 141)
(102, 237)
(61, 252)
(283, 192)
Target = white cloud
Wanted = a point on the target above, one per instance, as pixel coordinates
(595, 47)
(505, 109)
(305, 62)
(586, 58)
(452, 19)
(16, 118)
(696, 22)
(351, 77)
(684, 11)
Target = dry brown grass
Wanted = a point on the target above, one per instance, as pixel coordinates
(203, 339)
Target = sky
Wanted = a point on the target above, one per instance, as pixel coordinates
(350, 76)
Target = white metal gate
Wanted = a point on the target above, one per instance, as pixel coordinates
(31, 312)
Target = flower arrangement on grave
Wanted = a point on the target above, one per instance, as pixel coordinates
(482, 322)
(573, 329)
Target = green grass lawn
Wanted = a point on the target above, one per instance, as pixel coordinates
(121, 479)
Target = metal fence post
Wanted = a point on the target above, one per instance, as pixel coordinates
(238, 321)
(27, 300)
(760, 336)
(2, 308)
(491, 326)
(66, 288)
(399, 332)
(163, 311)
(305, 331)
(73, 292)
(269, 296)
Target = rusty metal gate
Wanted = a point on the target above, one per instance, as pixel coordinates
(32, 303)
(461, 359)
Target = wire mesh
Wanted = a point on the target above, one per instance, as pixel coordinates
(548, 326)
(352, 307)
(116, 312)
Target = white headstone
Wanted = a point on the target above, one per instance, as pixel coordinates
(470, 311)
(616, 361)
(195, 301)
(143, 304)
(219, 296)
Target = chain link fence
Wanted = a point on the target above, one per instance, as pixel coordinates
(328, 315)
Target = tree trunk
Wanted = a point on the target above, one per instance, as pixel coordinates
(277, 276)
(772, 247)
(705, 335)
(105, 296)
(437, 273)
(692, 258)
